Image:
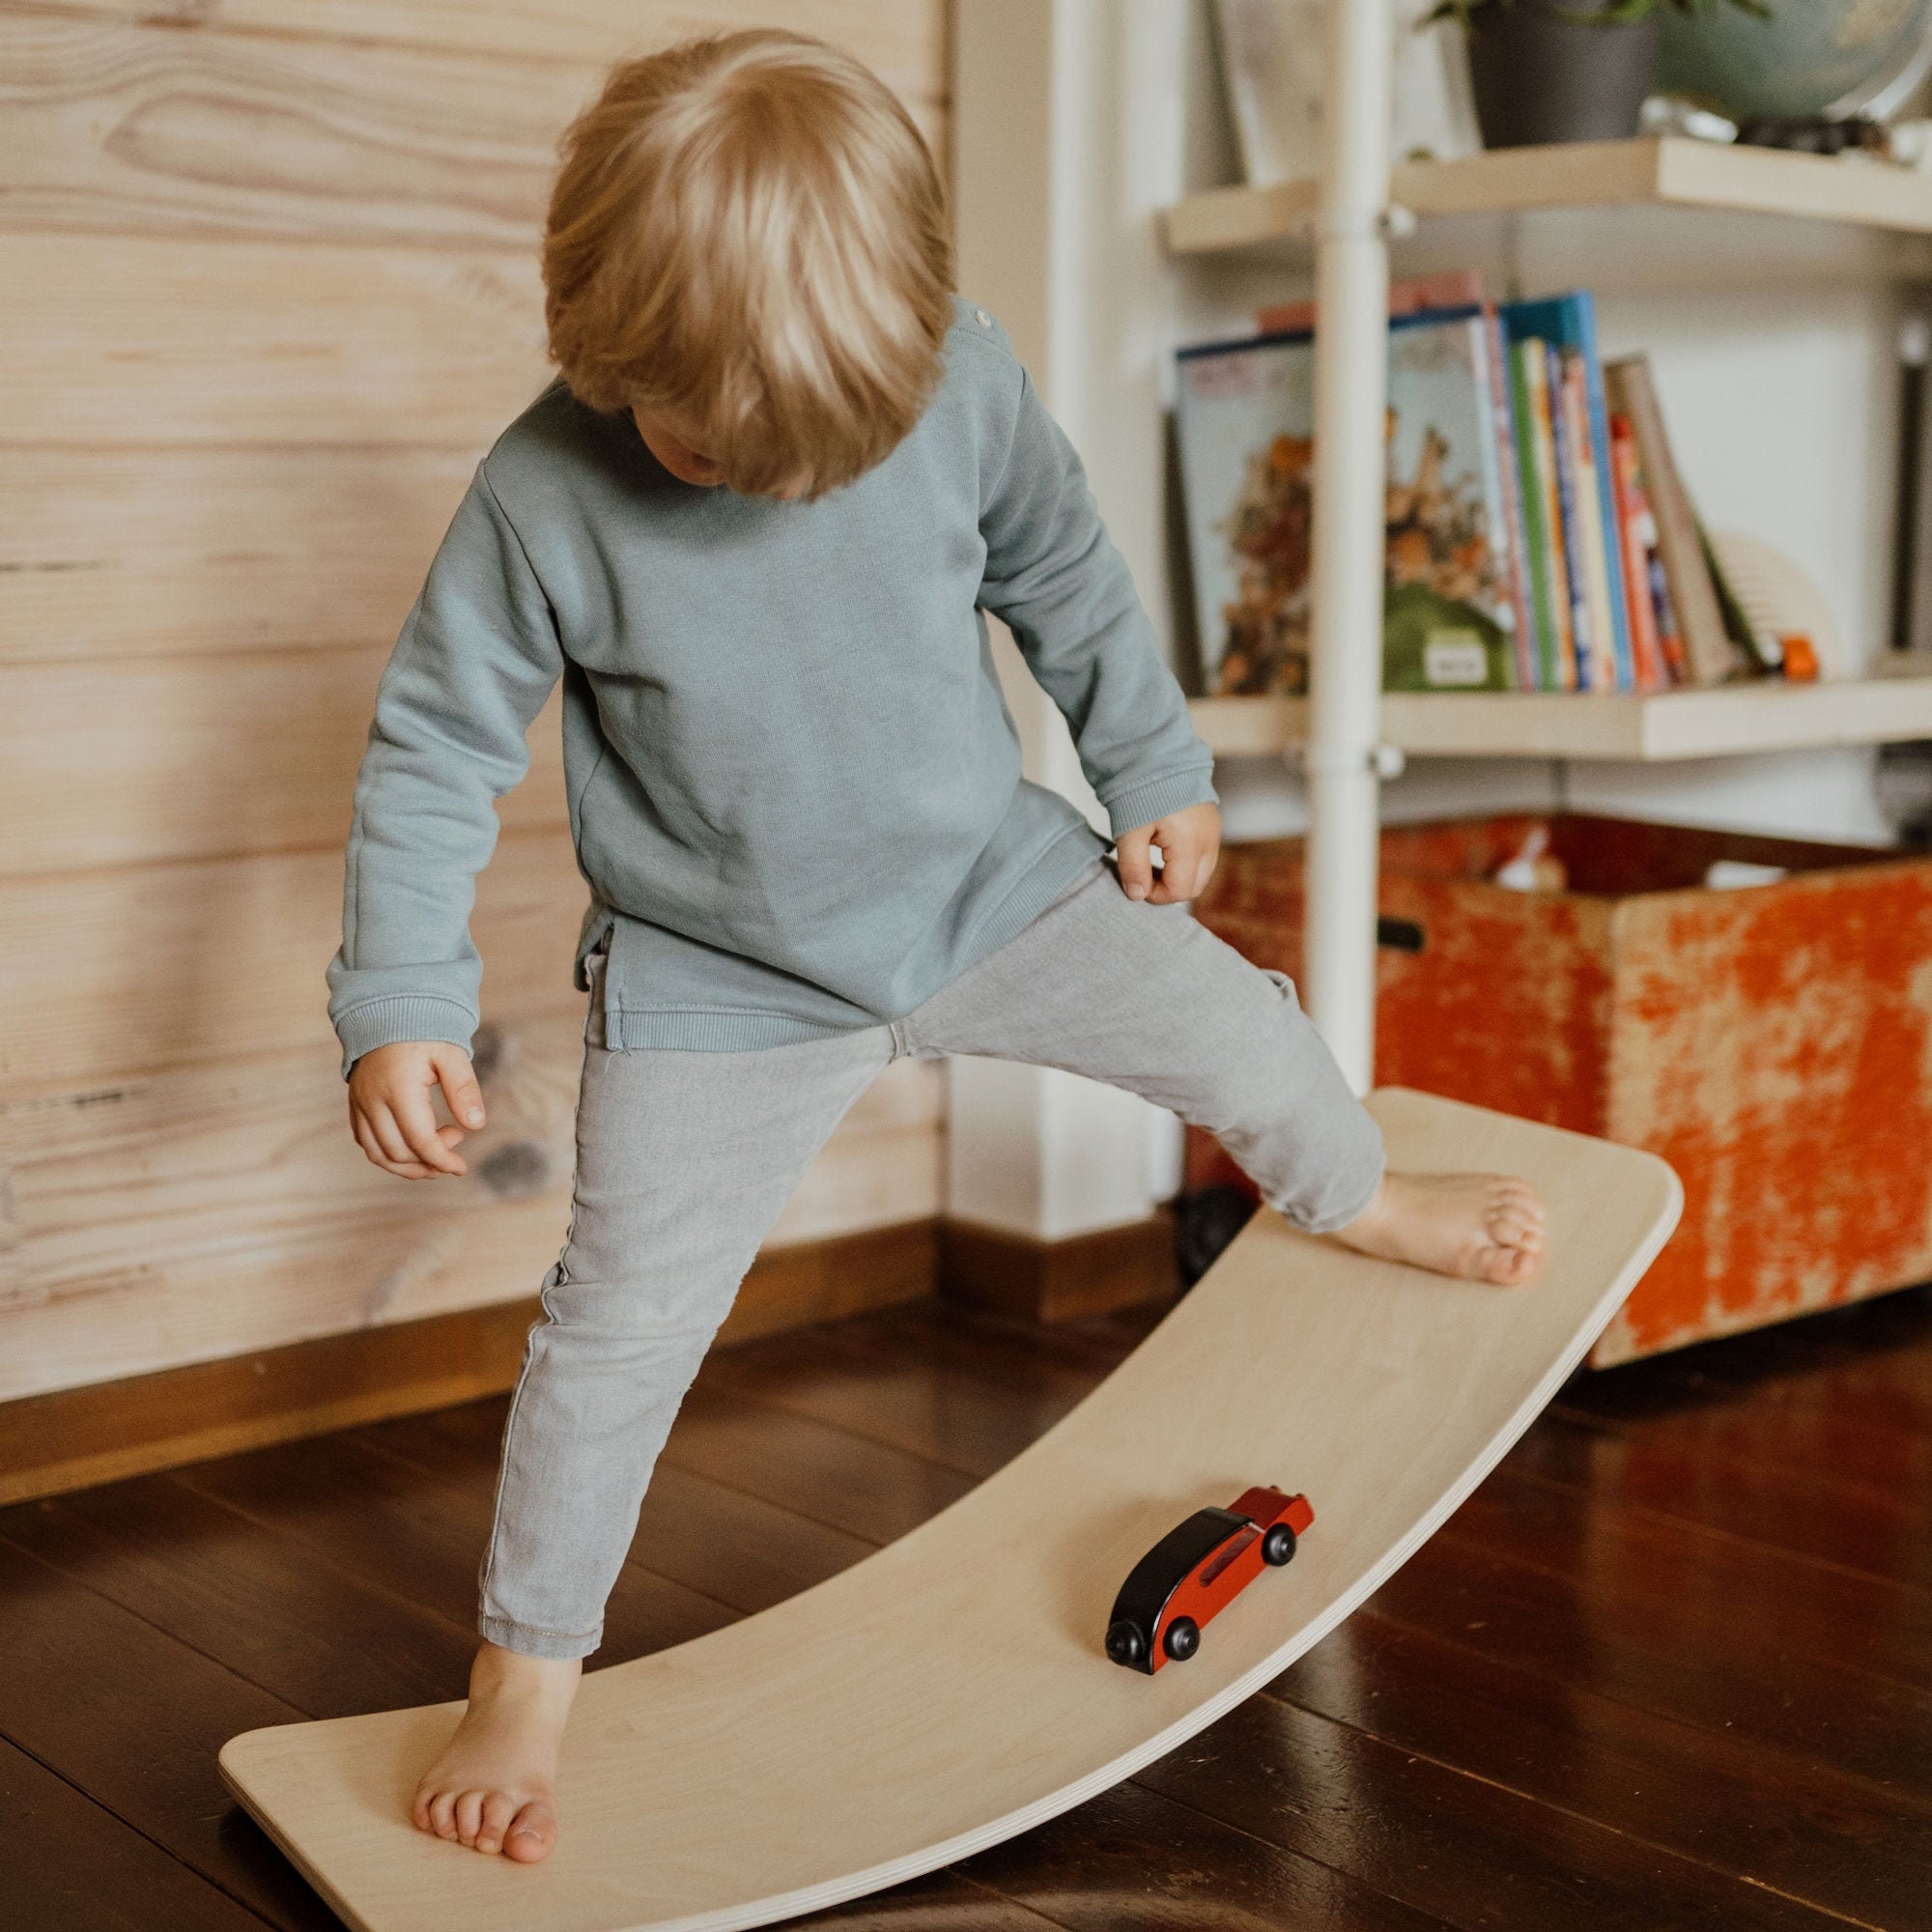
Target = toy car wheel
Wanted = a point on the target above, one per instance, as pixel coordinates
(1125, 1642)
(1278, 1545)
(1183, 1639)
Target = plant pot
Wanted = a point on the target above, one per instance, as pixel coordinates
(1539, 77)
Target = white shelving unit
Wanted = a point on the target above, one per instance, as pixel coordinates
(1733, 720)
(1725, 722)
(1584, 174)
(1078, 126)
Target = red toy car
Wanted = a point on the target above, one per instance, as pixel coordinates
(1196, 1571)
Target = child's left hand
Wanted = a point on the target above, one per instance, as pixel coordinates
(1189, 841)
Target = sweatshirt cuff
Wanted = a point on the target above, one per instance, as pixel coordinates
(400, 1016)
(1154, 798)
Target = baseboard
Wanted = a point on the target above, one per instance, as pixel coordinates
(1053, 1281)
(69, 1438)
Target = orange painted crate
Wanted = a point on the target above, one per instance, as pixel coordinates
(1773, 1044)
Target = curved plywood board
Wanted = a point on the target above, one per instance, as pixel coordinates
(950, 1691)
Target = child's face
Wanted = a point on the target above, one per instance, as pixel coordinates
(662, 438)
(668, 441)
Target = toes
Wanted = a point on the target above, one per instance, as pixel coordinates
(1520, 1265)
(1511, 1227)
(499, 1809)
(1504, 1265)
(533, 1833)
(443, 1814)
(1521, 1196)
(470, 1815)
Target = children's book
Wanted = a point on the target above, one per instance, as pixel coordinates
(1569, 522)
(1502, 402)
(1537, 566)
(1609, 665)
(1246, 416)
(1632, 520)
(1461, 289)
(1569, 322)
(1711, 656)
(1532, 359)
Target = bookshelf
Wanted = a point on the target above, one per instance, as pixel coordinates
(1889, 707)
(1724, 721)
(1668, 172)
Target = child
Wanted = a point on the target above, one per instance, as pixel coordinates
(751, 527)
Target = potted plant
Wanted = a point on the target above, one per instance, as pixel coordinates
(1545, 71)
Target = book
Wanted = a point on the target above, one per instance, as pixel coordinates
(1533, 356)
(1756, 649)
(1454, 288)
(1569, 322)
(1459, 289)
(1245, 414)
(1669, 632)
(1646, 652)
(1502, 403)
(1535, 533)
(1562, 430)
(1610, 647)
(1709, 654)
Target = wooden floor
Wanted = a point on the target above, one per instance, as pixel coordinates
(1671, 1666)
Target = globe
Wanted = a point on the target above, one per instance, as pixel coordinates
(1812, 57)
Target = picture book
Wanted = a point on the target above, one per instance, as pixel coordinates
(1609, 665)
(1710, 654)
(1569, 524)
(1247, 413)
(1532, 361)
(1568, 322)
(1647, 661)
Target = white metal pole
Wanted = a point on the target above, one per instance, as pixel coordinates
(1345, 654)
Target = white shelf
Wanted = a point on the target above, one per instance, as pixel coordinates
(1769, 716)
(1585, 173)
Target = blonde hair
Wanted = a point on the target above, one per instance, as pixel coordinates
(748, 235)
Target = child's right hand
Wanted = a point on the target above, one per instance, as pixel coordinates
(389, 1110)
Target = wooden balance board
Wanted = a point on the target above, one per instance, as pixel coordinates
(951, 1691)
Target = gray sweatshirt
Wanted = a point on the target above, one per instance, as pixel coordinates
(794, 785)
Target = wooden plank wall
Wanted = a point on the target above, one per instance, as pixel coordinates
(268, 288)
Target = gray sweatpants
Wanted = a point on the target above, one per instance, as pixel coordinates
(684, 1160)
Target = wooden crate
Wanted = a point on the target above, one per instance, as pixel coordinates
(1773, 1044)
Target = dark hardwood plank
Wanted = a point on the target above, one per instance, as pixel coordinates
(1807, 1403)
(135, 1719)
(944, 1391)
(423, 1535)
(1471, 1853)
(274, 1611)
(1620, 1691)
(732, 1546)
(864, 1487)
(72, 1863)
(1697, 1584)
(1638, 1649)
(1769, 1817)
(1875, 1353)
(1133, 1861)
(943, 1901)
(1813, 1511)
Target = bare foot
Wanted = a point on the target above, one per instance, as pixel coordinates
(492, 1785)
(1484, 1227)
